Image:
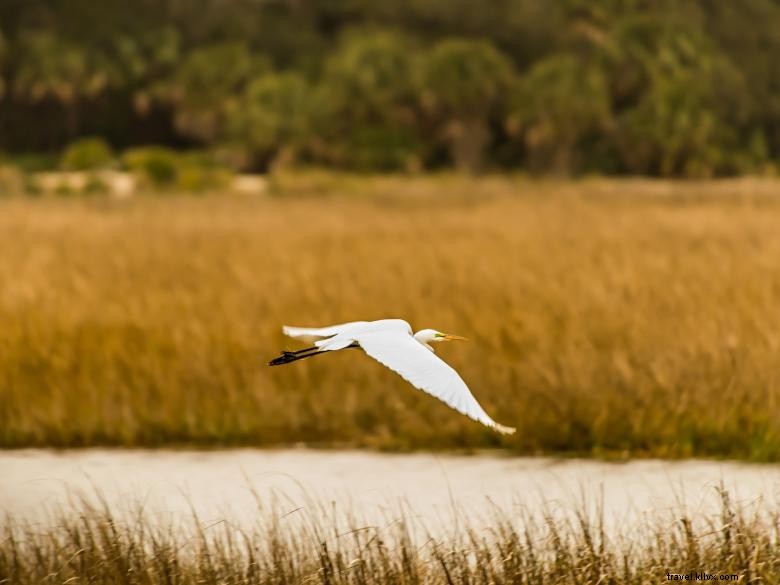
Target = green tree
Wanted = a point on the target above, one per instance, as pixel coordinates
(672, 131)
(748, 33)
(692, 87)
(272, 119)
(66, 72)
(204, 85)
(558, 102)
(369, 75)
(145, 58)
(463, 87)
(365, 106)
(678, 100)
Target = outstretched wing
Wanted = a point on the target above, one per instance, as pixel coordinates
(423, 369)
(317, 333)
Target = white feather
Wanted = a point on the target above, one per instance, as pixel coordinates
(391, 343)
(316, 333)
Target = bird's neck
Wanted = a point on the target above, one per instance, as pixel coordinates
(423, 341)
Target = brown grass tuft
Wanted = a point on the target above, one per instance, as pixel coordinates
(307, 546)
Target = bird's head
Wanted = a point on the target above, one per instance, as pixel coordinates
(427, 336)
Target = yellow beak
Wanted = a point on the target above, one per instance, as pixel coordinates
(450, 337)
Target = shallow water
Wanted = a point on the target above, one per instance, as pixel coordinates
(234, 484)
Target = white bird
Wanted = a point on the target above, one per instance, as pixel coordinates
(392, 343)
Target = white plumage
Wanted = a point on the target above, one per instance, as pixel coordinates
(309, 333)
(391, 343)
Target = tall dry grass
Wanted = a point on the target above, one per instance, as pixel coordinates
(606, 317)
(303, 546)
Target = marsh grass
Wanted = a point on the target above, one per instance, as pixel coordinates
(607, 317)
(306, 545)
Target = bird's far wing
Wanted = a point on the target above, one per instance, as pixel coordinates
(423, 369)
(316, 333)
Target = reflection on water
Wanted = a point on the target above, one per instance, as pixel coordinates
(234, 484)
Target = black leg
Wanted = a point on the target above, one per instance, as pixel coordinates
(294, 356)
(304, 350)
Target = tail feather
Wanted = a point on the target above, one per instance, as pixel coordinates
(315, 333)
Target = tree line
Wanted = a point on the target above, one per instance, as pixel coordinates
(661, 88)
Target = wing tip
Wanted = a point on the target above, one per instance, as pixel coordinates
(504, 430)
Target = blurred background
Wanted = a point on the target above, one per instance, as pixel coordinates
(616, 87)
(585, 189)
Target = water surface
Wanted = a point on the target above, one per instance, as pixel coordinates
(234, 484)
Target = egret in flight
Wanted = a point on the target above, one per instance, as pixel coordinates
(392, 343)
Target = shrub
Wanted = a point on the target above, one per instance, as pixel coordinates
(87, 154)
(195, 178)
(380, 148)
(155, 165)
(64, 190)
(95, 185)
(165, 170)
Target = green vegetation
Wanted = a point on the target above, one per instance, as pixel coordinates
(312, 546)
(667, 88)
(86, 155)
(463, 83)
(165, 170)
(607, 318)
(558, 103)
(154, 165)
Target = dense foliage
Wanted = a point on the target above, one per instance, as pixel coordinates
(619, 86)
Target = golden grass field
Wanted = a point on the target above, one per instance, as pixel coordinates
(606, 317)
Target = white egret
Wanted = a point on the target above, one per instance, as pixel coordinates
(392, 343)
